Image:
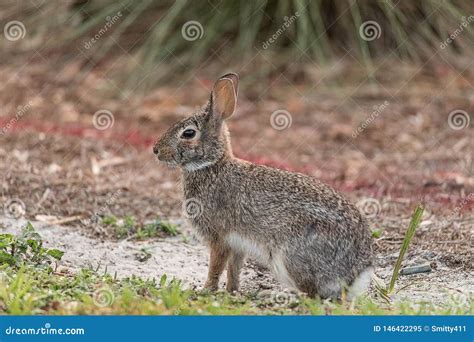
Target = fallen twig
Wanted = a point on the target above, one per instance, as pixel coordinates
(66, 219)
(425, 268)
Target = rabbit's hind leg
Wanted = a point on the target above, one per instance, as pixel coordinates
(278, 266)
(310, 275)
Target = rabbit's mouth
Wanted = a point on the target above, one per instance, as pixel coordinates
(165, 156)
(170, 164)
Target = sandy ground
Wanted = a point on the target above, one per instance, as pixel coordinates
(188, 261)
(172, 256)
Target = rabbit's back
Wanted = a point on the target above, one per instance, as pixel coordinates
(267, 201)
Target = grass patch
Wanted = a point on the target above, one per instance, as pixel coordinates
(31, 290)
(376, 233)
(127, 227)
(32, 287)
(27, 247)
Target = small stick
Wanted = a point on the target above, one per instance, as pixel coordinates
(425, 268)
(66, 220)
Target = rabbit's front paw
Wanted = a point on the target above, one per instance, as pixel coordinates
(211, 286)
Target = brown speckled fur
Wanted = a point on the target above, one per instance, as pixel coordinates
(307, 232)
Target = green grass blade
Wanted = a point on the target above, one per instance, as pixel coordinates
(414, 223)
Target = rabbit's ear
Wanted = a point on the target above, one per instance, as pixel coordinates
(235, 81)
(224, 96)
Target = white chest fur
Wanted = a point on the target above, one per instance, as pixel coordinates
(274, 259)
(249, 247)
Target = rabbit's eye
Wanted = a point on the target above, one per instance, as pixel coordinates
(188, 133)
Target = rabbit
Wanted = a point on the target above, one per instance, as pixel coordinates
(309, 236)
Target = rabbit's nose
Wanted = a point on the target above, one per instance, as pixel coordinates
(156, 149)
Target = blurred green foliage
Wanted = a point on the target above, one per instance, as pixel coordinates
(182, 34)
